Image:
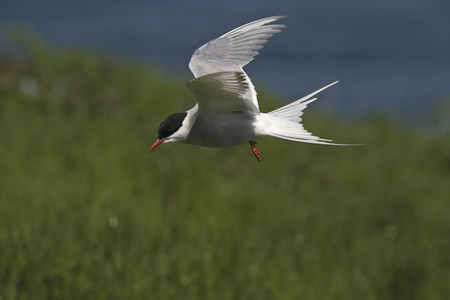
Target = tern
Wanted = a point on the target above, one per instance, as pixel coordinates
(227, 112)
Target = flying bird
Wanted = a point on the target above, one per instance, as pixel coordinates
(227, 112)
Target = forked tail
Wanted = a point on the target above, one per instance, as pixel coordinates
(285, 122)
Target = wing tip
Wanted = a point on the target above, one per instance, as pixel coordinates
(272, 19)
(278, 17)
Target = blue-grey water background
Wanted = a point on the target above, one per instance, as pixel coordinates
(389, 55)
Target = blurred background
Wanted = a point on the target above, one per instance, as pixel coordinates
(85, 213)
(389, 56)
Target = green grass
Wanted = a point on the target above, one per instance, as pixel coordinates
(86, 213)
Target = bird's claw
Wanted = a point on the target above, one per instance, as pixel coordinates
(255, 151)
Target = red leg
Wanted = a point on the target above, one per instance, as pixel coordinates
(255, 151)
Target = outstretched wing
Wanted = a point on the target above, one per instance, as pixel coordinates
(235, 49)
(224, 92)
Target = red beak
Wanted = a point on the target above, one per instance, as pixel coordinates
(156, 144)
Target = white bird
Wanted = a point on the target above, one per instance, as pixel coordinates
(227, 112)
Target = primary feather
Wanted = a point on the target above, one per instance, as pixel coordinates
(234, 49)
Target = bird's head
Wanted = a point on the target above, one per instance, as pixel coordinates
(171, 130)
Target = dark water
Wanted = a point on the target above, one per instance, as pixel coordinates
(389, 55)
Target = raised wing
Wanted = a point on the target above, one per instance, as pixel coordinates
(235, 49)
(224, 92)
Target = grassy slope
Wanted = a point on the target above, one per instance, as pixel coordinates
(85, 213)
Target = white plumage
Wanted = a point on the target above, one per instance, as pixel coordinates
(227, 113)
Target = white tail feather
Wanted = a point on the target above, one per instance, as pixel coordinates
(293, 111)
(285, 120)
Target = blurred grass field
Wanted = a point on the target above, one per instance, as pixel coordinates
(86, 213)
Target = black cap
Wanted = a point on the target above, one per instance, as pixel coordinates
(171, 125)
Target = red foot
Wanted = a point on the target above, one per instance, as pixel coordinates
(255, 151)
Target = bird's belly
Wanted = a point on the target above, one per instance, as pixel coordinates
(230, 129)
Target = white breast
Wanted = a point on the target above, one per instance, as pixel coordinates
(221, 130)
